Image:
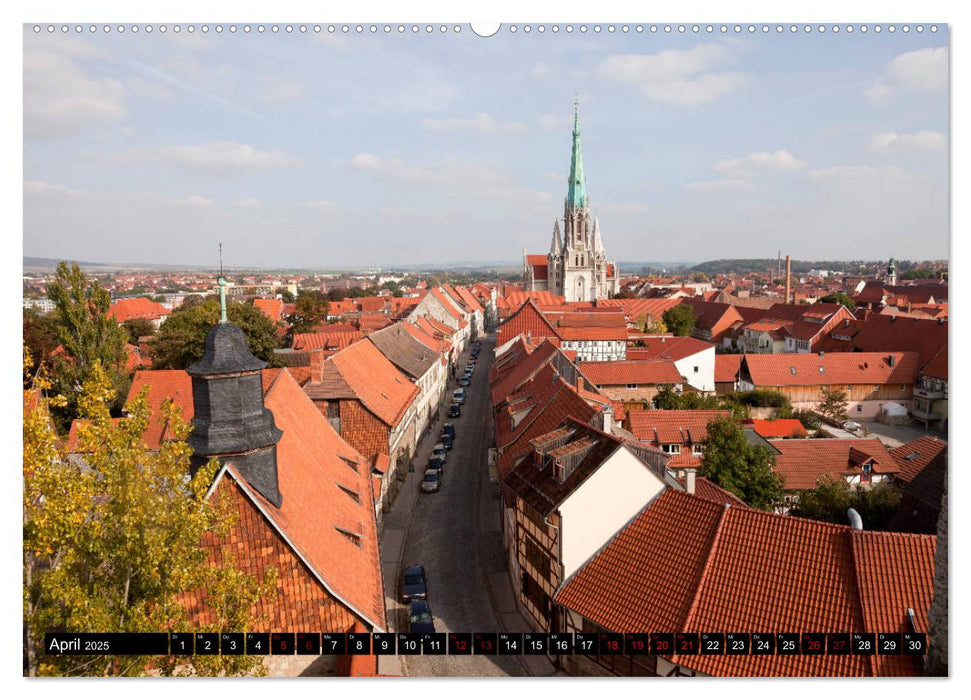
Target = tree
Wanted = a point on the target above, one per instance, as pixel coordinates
(833, 404)
(680, 319)
(833, 496)
(624, 294)
(699, 277)
(310, 310)
(740, 467)
(87, 335)
(181, 340)
(115, 545)
(839, 298)
(286, 295)
(40, 336)
(137, 328)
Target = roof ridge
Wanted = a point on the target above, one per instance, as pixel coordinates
(705, 569)
(858, 598)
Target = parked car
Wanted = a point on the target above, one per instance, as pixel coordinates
(449, 429)
(420, 620)
(458, 396)
(447, 440)
(431, 481)
(435, 463)
(414, 585)
(440, 451)
(454, 411)
(466, 380)
(469, 369)
(851, 425)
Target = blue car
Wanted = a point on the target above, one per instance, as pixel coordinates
(420, 618)
(413, 584)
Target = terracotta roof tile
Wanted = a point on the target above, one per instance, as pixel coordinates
(778, 428)
(337, 340)
(271, 308)
(741, 569)
(660, 347)
(137, 307)
(379, 385)
(801, 463)
(913, 456)
(726, 367)
(640, 372)
(808, 369)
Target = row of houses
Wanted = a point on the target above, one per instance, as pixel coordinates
(609, 527)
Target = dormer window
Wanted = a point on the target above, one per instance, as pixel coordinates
(672, 448)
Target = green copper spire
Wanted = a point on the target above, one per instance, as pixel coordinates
(576, 195)
(222, 299)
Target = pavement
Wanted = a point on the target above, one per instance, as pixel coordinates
(456, 535)
(890, 435)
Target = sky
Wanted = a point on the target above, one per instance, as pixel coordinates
(320, 151)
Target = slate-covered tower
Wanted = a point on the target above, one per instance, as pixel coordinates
(576, 266)
(230, 421)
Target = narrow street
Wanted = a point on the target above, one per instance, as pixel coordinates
(455, 535)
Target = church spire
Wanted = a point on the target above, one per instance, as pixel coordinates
(576, 194)
(555, 243)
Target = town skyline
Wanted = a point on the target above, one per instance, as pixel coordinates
(182, 146)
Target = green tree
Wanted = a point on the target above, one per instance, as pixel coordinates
(680, 319)
(839, 298)
(833, 404)
(740, 467)
(699, 277)
(833, 496)
(137, 328)
(310, 310)
(115, 545)
(286, 295)
(181, 340)
(87, 335)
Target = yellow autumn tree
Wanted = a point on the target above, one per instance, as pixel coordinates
(113, 539)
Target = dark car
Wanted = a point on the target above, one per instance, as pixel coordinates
(446, 441)
(449, 429)
(435, 463)
(466, 380)
(454, 411)
(440, 451)
(414, 586)
(420, 620)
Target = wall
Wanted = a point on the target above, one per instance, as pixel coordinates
(609, 498)
(704, 378)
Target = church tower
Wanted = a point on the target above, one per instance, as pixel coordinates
(576, 266)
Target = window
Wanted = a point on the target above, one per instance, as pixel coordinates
(696, 369)
(672, 448)
(859, 408)
(697, 449)
(631, 386)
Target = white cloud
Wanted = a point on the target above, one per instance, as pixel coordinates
(482, 123)
(757, 163)
(218, 158)
(38, 187)
(282, 88)
(679, 77)
(247, 203)
(556, 122)
(620, 209)
(540, 70)
(924, 70)
(60, 98)
(893, 142)
(727, 185)
(450, 177)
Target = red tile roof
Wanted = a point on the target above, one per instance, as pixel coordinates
(468, 298)
(665, 347)
(379, 385)
(915, 455)
(807, 369)
(271, 308)
(778, 428)
(430, 341)
(882, 334)
(450, 306)
(138, 307)
(326, 340)
(937, 367)
(521, 371)
(527, 320)
(640, 372)
(314, 480)
(726, 367)
(710, 491)
(801, 463)
(669, 427)
(742, 569)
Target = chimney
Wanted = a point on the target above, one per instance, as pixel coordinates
(608, 419)
(822, 353)
(230, 421)
(316, 365)
(788, 278)
(891, 360)
(689, 480)
(856, 522)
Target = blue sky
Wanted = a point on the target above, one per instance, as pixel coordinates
(323, 151)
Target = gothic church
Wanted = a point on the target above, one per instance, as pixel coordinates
(576, 267)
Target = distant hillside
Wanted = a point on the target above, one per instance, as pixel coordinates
(51, 263)
(746, 265)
